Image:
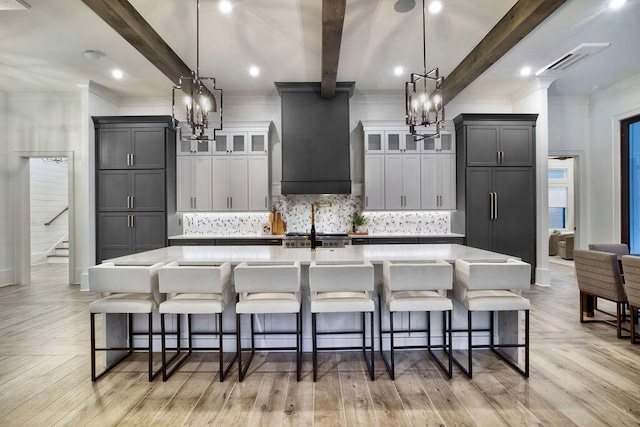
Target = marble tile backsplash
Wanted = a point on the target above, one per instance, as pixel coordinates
(296, 212)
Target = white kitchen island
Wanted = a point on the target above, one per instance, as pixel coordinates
(115, 325)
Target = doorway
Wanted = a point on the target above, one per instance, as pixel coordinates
(563, 201)
(45, 215)
(630, 182)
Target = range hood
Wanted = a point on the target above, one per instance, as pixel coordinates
(315, 139)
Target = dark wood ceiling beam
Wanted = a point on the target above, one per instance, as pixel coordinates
(332, 24)
(127, 22)
(521, 19)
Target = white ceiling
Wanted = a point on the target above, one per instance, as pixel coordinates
(41, 48)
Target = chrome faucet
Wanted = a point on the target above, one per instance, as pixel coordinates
(314, 206)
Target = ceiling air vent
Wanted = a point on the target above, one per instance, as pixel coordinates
(572, 58)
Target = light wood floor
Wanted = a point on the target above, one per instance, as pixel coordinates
(580, 375)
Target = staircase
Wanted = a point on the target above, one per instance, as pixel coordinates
(60, 254)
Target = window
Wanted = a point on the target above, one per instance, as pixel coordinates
(561, 194)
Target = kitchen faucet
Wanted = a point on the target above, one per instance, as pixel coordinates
(314, 206)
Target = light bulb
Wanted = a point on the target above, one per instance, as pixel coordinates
(435, 7)
(187, 100)
(437, 99)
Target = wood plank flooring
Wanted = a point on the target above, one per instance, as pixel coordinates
(580, 375)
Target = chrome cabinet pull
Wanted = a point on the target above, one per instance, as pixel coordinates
(496, 206)
(128, 221)
(490, 206)
(132, 202)
(265, 202)
(133, 221)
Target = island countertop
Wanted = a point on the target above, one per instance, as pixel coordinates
(376, 254)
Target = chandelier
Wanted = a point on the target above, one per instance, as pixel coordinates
(200, 102)
(424, 97)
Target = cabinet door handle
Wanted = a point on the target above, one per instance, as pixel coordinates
(495, 204)
(132, 201)
(128, 221)
(128, 204)
(132, 160)
(265, 202)
(491, 206)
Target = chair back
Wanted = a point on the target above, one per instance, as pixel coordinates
(417, 276)
(108, 277)
(510, 274)
(614, 248)
(175, 278)
(631, 267)
(249, 278)
(598, 274)
(336, 277)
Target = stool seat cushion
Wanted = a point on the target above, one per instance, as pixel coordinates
(341, 302)
(124, 303)
(495, 300)
(194, 304)
(417, 301)
(268, 302)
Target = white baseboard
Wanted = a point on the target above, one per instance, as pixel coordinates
(7, 277)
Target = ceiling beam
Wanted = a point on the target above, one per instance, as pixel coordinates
(127, 22)
(521, 19)
(332, 23)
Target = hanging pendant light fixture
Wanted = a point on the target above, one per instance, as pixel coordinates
(200, 102)
(424, 97)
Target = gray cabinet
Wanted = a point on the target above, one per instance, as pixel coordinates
(496, 202)
(135, 183)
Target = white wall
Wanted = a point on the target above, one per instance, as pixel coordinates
(7, 273)
(607, 108)
(48, 197)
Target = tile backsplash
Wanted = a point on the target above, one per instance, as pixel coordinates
(296, 212)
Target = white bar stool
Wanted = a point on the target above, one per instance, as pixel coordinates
(342, 288)
(268, 289)
(412, 287)
(134, 290)
(196, 290)
(493, 286)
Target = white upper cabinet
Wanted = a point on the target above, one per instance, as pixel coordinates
(400, 142)
(194, 184)
(230, 143)
(402, 173)
(444, 144)
(194, 148)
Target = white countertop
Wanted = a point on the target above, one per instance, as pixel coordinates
(279, 236)
(376, 254)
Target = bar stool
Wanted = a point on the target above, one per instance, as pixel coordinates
(268, 289)
(134, 290)
(196, 290)
(493, 286)
(342, 288)
(412, 287)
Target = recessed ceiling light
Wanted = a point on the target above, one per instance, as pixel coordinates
(117, 74)
(93, 54)
(435, 7)
(225, 6)
(525, 71)
(398, 71)
(594, 87)
(616, 4)
(14, 5)
(254, 71)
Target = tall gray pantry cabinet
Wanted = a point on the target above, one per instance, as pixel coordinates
(496, 183)
(135, 183)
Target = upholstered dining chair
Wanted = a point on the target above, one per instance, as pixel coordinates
(619, 249)
(631, 266)
(598, 275)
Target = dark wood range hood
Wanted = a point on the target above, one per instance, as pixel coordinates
(315, 139)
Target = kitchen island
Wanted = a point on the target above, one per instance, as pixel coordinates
(115, 325)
